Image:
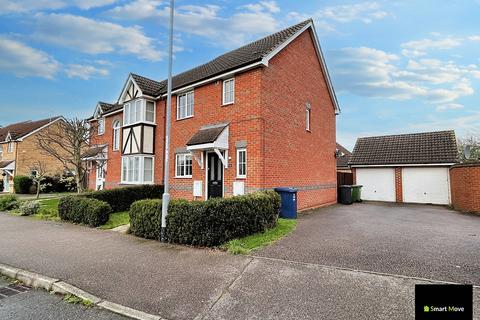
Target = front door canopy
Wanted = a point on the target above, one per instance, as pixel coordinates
(213, 137)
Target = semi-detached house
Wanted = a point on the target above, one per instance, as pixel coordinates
(255, 118)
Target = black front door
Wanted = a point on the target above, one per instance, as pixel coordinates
(214, 176)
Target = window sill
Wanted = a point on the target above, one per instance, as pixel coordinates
(308, 130)
(134, 183)
(138, 122)
(184, 118)
(228, 104)
(241, 177)
(185, 177)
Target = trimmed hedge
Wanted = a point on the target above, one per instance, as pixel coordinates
(207, 223)
(120, 199)
(22, 184)
(8, 202)
(92, 212)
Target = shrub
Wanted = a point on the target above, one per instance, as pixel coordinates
(120, 199)
(8, 202)
(22, 184)
(145, 218)
(92, 212)
(28, 208)
(207, 223)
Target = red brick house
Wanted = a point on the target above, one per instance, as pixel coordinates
(255, 118)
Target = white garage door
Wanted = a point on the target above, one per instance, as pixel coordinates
(378, 184)
(426, 185)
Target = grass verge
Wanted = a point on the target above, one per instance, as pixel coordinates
(116, 219)
(48, 209)
(259, 240)
(70, 298)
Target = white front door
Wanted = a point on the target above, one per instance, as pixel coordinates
(426, 185)
(100, 177)
(378, 183)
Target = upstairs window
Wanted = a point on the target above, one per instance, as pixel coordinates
(138, 111)
(101, 126)
(116, 135)
(183, 165)
(241, 163)
(185, 105)
(229, 91)
(308, 111)
(10, 147)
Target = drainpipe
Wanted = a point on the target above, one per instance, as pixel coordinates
(166, 194)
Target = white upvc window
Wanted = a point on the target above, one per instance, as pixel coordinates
(116, 135)
(183, 165)
(241, 163)
(228, 91)
(185, 104)
(101, 126)
(10, 147)
(308, 111)
(137, 170)
(139, 110)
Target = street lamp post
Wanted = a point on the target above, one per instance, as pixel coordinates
(166, 194)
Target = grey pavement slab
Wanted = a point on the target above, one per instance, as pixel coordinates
(415, 240)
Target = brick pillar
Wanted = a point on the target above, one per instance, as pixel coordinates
(398, 185)
(354, 175)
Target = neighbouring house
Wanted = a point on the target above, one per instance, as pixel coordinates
(255, 118)
(412, 168)
(20, 153)
(343, 157)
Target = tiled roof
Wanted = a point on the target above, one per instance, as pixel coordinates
(416, 148)
(109, 107)
(207, 135)
(21, 129)
(235, 59)
(4, 164)
(342, 162)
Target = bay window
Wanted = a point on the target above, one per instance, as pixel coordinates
(139, 110)
(137, 170)
(185, 105)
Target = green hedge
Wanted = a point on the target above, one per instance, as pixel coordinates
(120, 199)
(207, 223)
(92, 212)
(8, 202)
(22, 184)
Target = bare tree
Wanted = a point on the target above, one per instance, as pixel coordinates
(40, 169)
(473, 143)
(67, 142)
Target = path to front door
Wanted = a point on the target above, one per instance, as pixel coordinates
(214, 176)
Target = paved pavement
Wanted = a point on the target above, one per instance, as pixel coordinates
(34, 304)
(415, 240)
(186, 283)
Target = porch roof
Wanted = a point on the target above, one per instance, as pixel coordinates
(7, 165)
(210, 137)
(97, 152)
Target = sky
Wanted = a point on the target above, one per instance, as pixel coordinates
(396, 66)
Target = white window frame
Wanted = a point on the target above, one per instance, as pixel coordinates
(101, 126)
(184, 156)
(224, 92)
(10, 147)
(186, 105)
(308, 116)
(241, 176)
(127, 171)
(116, 135)
(130, 110)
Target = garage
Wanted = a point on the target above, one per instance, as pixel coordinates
(426, 185)
(411, 168)
(378, 184)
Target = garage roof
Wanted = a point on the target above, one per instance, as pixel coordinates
(417, 148)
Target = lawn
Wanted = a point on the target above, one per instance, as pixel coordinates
(48, 209)
(116, 219)
(256, 241)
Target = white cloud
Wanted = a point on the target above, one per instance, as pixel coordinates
(85, 72)
(375, 73)
(419, 48)
(23, 61)
(465, 125)
(24, 6)
(364, 12)
(94, 37)
(450, 106)
(474, 38)
(205, 20)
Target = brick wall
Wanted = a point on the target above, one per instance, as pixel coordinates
(294, 156)
(398, 185)
(465, 187)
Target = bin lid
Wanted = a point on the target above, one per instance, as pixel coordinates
(346, 186)
(357, 186)
(285, 189)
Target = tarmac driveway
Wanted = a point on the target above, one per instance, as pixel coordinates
(414, 240)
